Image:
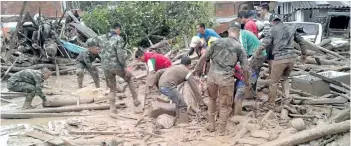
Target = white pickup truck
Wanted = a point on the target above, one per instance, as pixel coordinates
(309, 30)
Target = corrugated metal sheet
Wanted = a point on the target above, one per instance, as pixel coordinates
(313, 5)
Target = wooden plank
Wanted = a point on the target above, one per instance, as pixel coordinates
(45, 137)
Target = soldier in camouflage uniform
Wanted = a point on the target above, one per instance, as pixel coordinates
(31, 82)
(85, 62)
(281, 37)
(113, 59)
(224, 54)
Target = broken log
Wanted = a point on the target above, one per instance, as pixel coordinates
(45, 137)
(325, 50)
(34, 115)
(67, 102)
(338, 89)
(97, 132)
(329, 80)
(342, 116)
(337, 100)
(152, 134)
(346, 96)
(323, 62)
(301, 93)
(324, 42)
(40, 128)
(311, 134)
(69, 108)
(302, 116)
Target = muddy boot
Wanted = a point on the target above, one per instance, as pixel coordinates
(237, 106)
(131, 86)
(223, 118)
(28, 101)
(211, 115)
(80, 78)
(96, 79)
(183, 116)
(286, 88)
(272, 95)
(113, 102)
(46, 103)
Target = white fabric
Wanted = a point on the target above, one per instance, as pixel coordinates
(150, 65)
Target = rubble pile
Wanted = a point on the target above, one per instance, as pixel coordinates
(43, 42)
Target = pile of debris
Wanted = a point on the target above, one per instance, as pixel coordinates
(41, 42)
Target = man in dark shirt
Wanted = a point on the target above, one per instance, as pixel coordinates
(281, 36)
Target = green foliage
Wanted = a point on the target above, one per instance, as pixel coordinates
(151, 19)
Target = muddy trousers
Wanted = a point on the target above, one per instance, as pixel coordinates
(93, 72)
(111, 83)
(27, 88)
(173, 94)
(225, 94)
(281, 69)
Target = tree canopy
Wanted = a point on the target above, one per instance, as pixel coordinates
(151, 20)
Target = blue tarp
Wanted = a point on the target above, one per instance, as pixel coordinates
(72, 47)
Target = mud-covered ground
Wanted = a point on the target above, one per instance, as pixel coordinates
(272, 127)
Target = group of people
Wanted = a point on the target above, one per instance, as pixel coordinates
(229, 65)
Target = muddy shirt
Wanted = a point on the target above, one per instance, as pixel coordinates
(173, 76)
(30, 76)
(224, 54)
(282, 36)
(86, 58)
(113, 54)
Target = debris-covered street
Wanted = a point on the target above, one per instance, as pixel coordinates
(269, 78)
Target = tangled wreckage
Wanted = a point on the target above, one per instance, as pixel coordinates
(41, 42)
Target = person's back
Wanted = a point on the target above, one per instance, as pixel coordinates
(208, 33)
(160, 61)
(27, 76)
(251, 26)
(173, 76)
(113, 55)
(283, 37)
(250, 42)
(223, 54)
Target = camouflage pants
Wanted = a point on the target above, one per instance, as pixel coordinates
(225, 94)
(20, 87)
(92, 71)
(280, 69)
(111, 82)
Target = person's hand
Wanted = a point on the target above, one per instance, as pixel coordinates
(127, 74)
(303, 59)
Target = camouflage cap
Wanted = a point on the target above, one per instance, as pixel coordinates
(92, 42)
(234, 24)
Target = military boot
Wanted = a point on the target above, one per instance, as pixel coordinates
(237, 106)
(272, 95)
(223, 118)
(183, 116)
(286, 88)
(96, 78)
(132, 89)
(80, 78)
(28, 101)
(112, 100)
(211, 115)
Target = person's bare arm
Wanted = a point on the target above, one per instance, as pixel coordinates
(298, 39)
(204, 58)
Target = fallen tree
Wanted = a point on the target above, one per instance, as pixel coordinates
(69, 108)
(311, 134)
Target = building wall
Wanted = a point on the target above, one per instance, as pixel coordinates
(225, 9)
(47, 8)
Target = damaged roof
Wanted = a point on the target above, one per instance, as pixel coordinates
(320, 4)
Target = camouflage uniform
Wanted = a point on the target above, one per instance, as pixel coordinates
(113, 59)
(28, 81)
(85, 62)
(224, 54)
(281, 37)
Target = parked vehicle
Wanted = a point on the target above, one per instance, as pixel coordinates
(309, 30)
